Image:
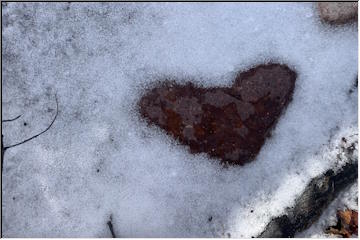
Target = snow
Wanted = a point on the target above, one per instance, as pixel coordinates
(99, 57)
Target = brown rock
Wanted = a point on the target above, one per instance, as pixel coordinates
(338, 12)
(227, 123)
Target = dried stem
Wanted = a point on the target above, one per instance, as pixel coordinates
(3, 149)
(109, 223)
(10, 120)
(35, 136)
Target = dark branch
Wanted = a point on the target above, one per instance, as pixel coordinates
(109, 223)
(13, 119)
(319, 193)
(2, 152)
(35, 136)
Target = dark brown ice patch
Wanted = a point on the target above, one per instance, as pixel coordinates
(227, 123)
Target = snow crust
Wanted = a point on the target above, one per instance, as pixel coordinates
(100, 158)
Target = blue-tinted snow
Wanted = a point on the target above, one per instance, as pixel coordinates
(97, 58)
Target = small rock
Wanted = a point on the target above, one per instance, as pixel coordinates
(338, 12)
(227, 123)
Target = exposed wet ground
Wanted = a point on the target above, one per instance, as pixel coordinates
(227, 123)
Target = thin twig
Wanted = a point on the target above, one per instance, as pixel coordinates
(13, 119)
(2, 152)
(35, 136)
(109, 223)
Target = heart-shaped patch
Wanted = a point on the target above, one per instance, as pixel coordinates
(228, 123)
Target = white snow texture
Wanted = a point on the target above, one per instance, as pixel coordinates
(100, 158)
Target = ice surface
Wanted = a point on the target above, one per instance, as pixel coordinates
(101, 158)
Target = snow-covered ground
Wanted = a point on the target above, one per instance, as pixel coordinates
(100, 158)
